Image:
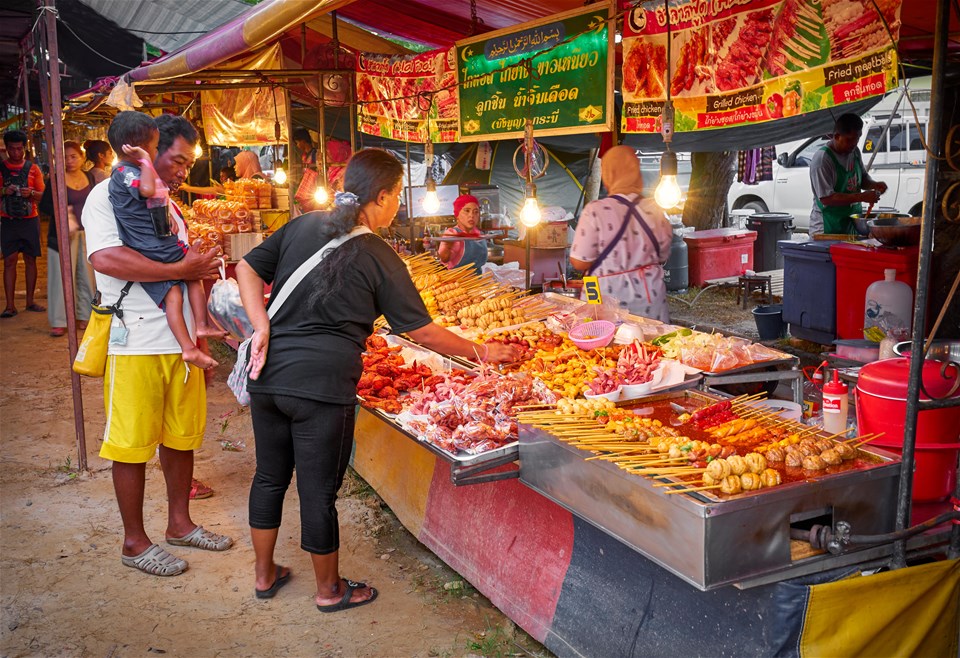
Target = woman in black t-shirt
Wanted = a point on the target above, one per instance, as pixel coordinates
(302, 397)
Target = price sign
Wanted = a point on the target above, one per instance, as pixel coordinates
(591, 288)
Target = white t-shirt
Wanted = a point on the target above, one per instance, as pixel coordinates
(148, 331)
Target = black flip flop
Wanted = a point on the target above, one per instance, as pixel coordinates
(345, 603)
(8, 313)
(36, 308)
(278, 582)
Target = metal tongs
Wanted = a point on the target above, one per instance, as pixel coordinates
(563, 274)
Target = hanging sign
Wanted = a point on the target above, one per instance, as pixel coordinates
(734, 63)
(396, 95)
(557, 72)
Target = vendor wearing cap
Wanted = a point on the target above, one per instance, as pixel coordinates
(457, 253)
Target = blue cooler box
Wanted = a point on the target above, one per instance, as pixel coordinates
(809, 290)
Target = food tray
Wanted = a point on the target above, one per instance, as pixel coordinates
(788, 359)
(463, 459)
(706, 541)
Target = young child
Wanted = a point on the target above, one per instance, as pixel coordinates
(138, 196)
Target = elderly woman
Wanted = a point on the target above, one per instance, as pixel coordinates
(469, 248)
(79, 184)
(624, 239)
(303, 390)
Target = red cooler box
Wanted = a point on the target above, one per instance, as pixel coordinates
(719, 253)
(857, 267)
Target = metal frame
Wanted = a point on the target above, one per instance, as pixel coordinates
(935, 139)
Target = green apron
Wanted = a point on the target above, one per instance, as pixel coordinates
(836, 219)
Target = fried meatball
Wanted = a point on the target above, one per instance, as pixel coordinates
(738, 466)
(709, 479)
(770, 477)
(731, 485)
(750, 481)
(831, 457)
(755, 462)
(813, 463)
(809, 441)
(808, 450)
(846, 451)
(718, 469)
(776, 454)
(793, 460)
(825, 444)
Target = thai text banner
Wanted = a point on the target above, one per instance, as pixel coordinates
(738, 62)
(555, 72)
(410, 98)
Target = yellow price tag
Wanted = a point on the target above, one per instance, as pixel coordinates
(591, 288)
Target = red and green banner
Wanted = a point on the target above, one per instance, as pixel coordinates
(410, 98)
(556, 72)
(741, 62)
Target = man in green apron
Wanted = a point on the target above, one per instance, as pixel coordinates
(839, 181)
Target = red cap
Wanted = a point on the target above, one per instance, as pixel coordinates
(835, 386)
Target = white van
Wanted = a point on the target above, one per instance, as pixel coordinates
(898, 159)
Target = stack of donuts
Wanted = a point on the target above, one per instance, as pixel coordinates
(214, 219)
(252, 192)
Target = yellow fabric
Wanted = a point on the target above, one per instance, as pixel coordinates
(396, 467)
(91, 356)
(908, 612)
(149, 404)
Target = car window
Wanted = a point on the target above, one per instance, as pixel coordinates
(805, 154)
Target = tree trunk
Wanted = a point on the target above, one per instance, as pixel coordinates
(710, 180)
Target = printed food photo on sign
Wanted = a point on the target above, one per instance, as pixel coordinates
(854, 26)
(736, 64)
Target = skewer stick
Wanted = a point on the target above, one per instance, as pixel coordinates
(872, 438)
(676, 491)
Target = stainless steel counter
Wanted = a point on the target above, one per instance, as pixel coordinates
(704, 540)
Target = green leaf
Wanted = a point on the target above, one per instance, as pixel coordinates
(683, 123)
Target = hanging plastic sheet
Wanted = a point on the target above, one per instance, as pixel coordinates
(246, 116)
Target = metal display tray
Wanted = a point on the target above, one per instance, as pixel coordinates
(503, 454)
(707, 541)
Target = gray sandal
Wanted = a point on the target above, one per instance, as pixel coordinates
(156, 562)
(201, 538)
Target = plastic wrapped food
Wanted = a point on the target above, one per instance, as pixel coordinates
(226, 310)
(724, 359)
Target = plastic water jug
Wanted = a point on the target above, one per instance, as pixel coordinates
(888, 304)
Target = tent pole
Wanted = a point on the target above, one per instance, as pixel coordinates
(408, 197)
(935, 140)
(322, 129)
(53, 128)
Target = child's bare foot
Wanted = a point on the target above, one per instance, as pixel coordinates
(209, 331)
(198, 358)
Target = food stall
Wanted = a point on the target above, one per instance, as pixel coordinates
(584, 552)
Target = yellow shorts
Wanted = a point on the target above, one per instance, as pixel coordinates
(149, 404)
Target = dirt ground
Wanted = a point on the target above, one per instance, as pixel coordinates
(64, 592)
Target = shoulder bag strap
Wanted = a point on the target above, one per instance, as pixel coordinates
(115, 307)
(308, 265)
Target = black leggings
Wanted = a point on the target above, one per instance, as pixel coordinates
(315, 438)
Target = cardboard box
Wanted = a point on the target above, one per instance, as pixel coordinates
(237, 245)
(552, 235)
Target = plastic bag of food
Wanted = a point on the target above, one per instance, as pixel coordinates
(760, 352)
(723, 359)
(226, 310)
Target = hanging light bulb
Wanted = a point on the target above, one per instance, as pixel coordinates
(197, 150)
(279, 175)
(321, 196)
(530, 214)
(667, 195)
(431, 202)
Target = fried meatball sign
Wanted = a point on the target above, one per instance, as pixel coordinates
(409, 98)
(739, 62)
